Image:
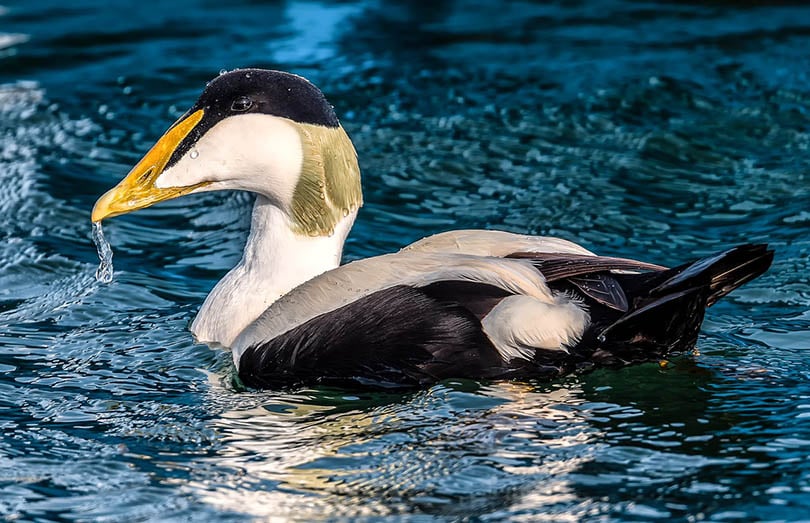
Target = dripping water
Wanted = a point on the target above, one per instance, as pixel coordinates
(104, 273)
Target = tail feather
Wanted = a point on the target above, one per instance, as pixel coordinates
(668, 324)
(723, 272)
(722, 284)
(666, 308)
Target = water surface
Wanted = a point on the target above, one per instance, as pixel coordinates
(662, 131)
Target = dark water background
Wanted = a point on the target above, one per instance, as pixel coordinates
(654, 130)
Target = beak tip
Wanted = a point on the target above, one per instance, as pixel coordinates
(103, 207)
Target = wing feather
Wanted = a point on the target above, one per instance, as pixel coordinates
(558, 266)
(603, 288)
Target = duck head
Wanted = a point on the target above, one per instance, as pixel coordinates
(267, 132)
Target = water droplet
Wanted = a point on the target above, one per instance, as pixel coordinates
(323, 196)
(320, 184)
(104, 273)
(222, 71)
(345, 212)
(194, 154)
(353, 207)
(331, 231)
(247, 74)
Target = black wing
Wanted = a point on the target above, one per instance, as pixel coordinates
(590, 275)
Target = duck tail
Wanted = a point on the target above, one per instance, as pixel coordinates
(666, 308)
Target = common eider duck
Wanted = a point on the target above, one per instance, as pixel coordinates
(475, 304)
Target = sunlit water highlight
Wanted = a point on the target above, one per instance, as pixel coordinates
(660, 132)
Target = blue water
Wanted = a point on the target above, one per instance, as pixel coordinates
(660, 130)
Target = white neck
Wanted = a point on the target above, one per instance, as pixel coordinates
(275, 261)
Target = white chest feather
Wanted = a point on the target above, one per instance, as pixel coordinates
(275, 261)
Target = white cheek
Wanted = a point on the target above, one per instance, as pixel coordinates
(251, 152)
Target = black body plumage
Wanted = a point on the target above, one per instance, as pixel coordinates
(405, 336)
(399, 336)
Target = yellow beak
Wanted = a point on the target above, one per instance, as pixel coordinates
(138, 189)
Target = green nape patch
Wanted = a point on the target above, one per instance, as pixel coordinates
(329, 187)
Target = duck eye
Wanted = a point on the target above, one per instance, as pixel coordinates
(241, 104)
